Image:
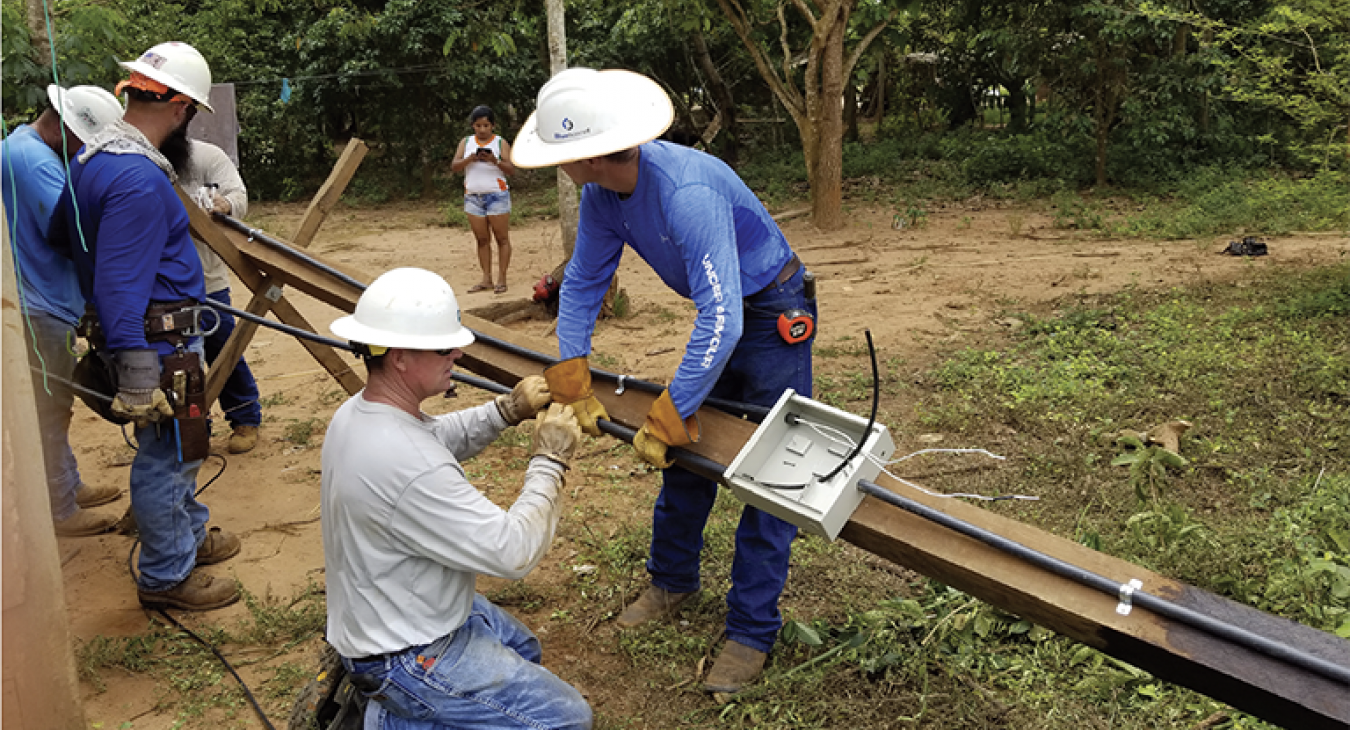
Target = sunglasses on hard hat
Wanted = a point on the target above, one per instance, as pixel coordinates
(162, 93)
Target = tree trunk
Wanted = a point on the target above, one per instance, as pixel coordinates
(567, 191)
(1017, 106)
(827, 199)
(37, 26)
(729, 149)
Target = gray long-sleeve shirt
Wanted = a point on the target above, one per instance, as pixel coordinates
(405, 533)
(210, 165)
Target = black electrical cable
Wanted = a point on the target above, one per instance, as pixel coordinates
(876, 398)
(1082, 576)
(276, 245)
(755, 413)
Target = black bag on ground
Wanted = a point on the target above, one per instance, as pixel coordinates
(1248, 246)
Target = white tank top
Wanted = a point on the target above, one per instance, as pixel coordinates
(483, 177)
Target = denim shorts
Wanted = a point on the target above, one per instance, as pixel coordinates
(482, 204)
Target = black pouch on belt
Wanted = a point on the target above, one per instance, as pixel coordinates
(185, 384)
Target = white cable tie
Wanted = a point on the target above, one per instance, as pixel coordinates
(619, 390)
(1127, 595)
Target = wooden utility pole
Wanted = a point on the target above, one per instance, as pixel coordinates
(567, 190)
(37, 667)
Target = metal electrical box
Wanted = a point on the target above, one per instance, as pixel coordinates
(781, 468)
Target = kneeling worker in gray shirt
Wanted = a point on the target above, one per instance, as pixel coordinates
(405, 534)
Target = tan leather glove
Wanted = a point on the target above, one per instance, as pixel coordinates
(664, 428)
(139, 398)
(556, 434)
(142, 408)
(530, 396)
(570, 383)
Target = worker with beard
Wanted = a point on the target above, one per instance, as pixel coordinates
(142, 280)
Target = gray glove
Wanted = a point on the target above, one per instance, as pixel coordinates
(556, 434)
(530, 396)
(139, 398)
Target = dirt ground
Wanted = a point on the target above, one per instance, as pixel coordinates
(919, 291)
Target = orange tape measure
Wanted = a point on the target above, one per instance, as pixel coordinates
(796, 325)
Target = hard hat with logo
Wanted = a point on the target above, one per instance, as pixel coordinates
(171, 67)
(583, 113)
(85, 110)
(407, 308)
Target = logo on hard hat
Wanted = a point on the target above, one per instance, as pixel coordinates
(87, 118)
(567, 124)
(153, 60)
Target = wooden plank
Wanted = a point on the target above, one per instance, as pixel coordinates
(1251, 681)
(331, 192)
(217, 239)
(238, 341)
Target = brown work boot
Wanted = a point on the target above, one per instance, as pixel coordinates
(243, 439)
(217, 547)
(84, 523)
(736, 666)
(87, 496)
(200, 592)
(654, 603)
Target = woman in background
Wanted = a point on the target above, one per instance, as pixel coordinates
(485, 160)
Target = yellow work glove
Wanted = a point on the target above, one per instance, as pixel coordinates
(664, 428)
(530, 396)
(142, 407)
(570, 383)
(556, 434)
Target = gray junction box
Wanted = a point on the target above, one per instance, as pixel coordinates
(781, 468)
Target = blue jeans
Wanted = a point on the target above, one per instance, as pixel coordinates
(760, 369)
(486, 674)
(485, 204)
(171, 520)
(239, 397)
(54, 400)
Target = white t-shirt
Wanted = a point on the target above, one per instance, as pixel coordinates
(405, 533)
(483, 177)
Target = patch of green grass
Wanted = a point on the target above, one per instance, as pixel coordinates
(274, 400)
(300, 431)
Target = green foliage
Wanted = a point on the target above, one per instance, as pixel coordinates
(1148, 466)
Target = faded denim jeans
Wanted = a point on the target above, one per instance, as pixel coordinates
(171, 521)
(54, 399)
(760, 369)
(486, 674)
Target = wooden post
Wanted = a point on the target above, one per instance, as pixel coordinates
(38, 668)
(331, 192)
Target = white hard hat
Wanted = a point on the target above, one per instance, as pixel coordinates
(409, 308)
(86, 110)
(175, 66)
(583, 113)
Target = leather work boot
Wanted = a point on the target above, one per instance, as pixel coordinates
(87, 496)
(735, 667)
(243, 439)
(199, 592)
(654, 603)
(217, 547)
(84, 523)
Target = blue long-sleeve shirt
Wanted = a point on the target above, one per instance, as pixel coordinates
(707, 236)
(139, 249)
(32, 181)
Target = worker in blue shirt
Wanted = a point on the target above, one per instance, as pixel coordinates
(33, 175)
(137, 267)
(710, 239)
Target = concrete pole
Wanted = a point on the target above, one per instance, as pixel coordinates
(37, 666)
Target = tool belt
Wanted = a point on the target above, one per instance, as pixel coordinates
(173, 322)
